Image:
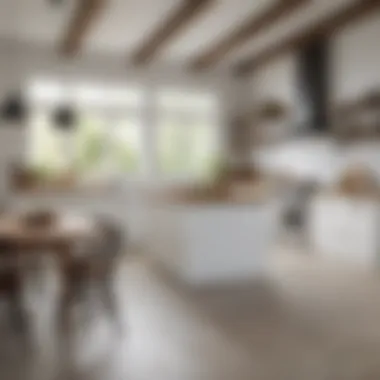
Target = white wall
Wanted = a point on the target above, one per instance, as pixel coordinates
(356, 59)
(277, 80)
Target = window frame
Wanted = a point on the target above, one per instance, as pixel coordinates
(108, 114)
(209, 113)
(146, 109)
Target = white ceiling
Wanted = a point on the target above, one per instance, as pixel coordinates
(33, 20)
(126, 23)
(221, 19)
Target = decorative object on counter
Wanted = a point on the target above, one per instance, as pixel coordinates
(358, 181)
(65, 117)
(272, 119)
(14, 108)
(272, 110)
(245, 184)
(230, 186)
(31, 179)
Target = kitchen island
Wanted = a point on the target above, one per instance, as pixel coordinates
(212, 242)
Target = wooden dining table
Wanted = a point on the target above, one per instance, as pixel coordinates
(22, 243)
(60, 235)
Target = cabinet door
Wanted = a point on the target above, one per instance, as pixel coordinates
(345, 229)
(360, 233)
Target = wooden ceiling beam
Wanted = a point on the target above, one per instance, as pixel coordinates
(176, 22)
(248, 30)
(329, 25)
(83, 17)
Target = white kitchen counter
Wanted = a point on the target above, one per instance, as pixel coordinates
(345, 229)
(213, 243)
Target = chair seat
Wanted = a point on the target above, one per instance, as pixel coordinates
(9, 282)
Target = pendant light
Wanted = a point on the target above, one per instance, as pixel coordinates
(14, 108)
(65, 117)
(14, 105)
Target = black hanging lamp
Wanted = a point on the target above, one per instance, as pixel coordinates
(65, 117)
(14, 108)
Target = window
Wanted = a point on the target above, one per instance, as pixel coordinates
(187, 138)
(110, 139)
(106, 141)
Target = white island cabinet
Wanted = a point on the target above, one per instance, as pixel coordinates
(213, 243)
(345, 229)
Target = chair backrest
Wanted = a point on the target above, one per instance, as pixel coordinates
(8, 257)
(103, 246)
(111, 238)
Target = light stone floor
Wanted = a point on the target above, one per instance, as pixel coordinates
(304, 320)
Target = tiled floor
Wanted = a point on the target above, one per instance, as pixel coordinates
(304, 320)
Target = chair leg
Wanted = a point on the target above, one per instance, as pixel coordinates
(64, 309)
(17, 311)
(109, 300)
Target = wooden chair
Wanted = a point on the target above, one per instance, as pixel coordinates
(11, 286)
(93, 264)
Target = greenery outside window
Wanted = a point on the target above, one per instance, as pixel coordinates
(105, 143)
(187, 138)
